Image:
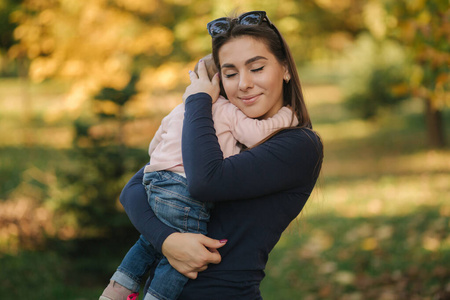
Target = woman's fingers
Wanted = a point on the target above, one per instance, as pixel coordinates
(192, 76)
(213, 256)
(200, 83)
(202, 72)
(191, 275)
(191, 253)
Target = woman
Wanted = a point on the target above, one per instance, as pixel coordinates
(258, 192)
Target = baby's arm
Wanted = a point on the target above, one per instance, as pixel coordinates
(155, 141)
(250, 131)
(164, 127)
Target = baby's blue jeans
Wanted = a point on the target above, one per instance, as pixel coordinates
(171, 202)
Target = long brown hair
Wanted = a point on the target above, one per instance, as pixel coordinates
(272, 38)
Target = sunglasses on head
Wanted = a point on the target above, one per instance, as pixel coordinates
(223, 25)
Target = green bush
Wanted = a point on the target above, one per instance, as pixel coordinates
(375, 76)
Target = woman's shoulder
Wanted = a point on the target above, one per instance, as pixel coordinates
(299, 134)
(302, 147)
(295, 141)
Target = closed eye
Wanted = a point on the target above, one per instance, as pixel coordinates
(230, 75)
(258, 69)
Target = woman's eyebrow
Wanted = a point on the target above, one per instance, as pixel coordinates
(249, 61)
(227, 66)
(253, 59)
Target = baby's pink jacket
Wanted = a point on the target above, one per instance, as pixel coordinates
(231, 126)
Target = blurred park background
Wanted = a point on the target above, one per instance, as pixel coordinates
(85, 84)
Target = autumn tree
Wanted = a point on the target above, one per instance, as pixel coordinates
(423, 27)
(110, 52)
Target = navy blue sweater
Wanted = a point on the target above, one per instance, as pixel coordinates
(257, 193)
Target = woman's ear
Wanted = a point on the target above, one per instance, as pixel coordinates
(287, 75)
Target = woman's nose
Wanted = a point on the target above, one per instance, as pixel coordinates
(245, 81)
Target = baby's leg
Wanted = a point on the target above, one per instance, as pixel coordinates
(167, 283)
(131, 271)
(135, 264)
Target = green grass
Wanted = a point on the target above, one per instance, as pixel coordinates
(376, 227)
(70, 270)
(332, 257)
(39, 275)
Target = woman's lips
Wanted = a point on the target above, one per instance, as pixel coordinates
(248, 100)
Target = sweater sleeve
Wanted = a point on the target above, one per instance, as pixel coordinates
(250, 131)
(155, 141)
(289, 160)
(134, 201)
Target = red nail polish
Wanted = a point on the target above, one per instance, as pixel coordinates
(223, 241)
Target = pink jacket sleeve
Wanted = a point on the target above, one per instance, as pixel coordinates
(155, 141)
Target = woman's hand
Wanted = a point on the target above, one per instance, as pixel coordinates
(190, 253)
(201, 83)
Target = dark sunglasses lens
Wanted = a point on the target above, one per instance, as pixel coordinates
(219, 27)
(251, 19)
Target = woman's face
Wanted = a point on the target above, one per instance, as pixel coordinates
(252, 77)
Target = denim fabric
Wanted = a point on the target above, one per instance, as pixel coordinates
(136, 264)
(173, 205)
(170, 200)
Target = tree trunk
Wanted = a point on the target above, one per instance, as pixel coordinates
(435, 128)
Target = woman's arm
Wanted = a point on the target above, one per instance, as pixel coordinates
(134, 200)
(287, 161)
(188, 253)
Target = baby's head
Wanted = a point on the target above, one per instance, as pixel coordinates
(211, 69)
(210, 66)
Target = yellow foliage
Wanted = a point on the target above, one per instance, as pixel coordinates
(184, 30)
(408, 30)
(106, 107)
(42, 68)
(77, 95)
(415, 5)
(46, 17)
(431, 243)
(92, 43)
(289, 24)
(334, 6)
(16, 51)
(165, 77)
(424, 18)
(179, 2)
(288, 7)
(375, 18)
(369, 244)
(143, 6)
(73, 68)
(157, 39)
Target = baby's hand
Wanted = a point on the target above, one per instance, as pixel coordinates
(201, 83)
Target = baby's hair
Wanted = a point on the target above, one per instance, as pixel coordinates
(212, 70)
(210, 66)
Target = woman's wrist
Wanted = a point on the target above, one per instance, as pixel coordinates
(199, 96)
(168, 243)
